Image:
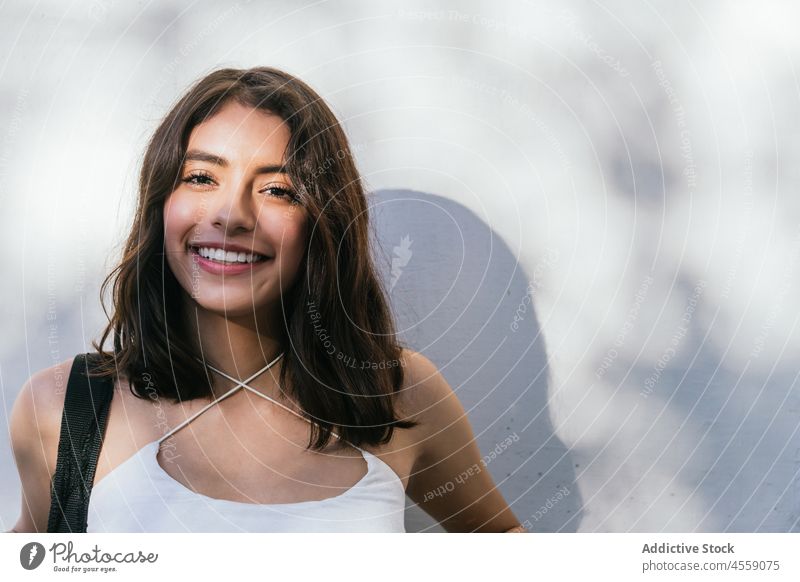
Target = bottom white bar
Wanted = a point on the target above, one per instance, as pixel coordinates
(389, 557)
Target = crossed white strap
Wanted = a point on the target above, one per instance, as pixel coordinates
(239, 384)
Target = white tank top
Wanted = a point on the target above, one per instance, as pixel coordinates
(140, 496)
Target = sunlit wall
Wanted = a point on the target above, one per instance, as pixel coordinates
(634, 163)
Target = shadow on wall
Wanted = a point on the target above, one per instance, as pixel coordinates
(461, 298)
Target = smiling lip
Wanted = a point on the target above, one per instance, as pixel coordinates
(226, 246)
(216, 268)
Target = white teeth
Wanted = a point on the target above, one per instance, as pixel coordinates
(220, 255)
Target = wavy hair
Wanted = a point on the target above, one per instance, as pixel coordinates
(337, 299)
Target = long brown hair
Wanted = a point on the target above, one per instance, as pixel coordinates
(337, 299)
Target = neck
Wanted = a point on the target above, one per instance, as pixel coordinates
(238, 346)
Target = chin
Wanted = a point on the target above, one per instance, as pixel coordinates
(232, 307)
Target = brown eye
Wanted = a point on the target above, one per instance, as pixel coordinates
(199, 179)
(280, 192)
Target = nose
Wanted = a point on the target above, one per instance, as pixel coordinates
(232, 209)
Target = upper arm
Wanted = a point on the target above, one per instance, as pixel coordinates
(448, 479)
(35, 426)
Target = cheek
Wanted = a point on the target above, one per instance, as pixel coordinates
(294, 235)
(180, 217)
(290, 232)
(181, 214)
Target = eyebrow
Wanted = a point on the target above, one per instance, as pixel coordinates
(201, 156)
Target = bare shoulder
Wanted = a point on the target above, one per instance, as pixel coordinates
(426, 396)
(445, 454)
(39, 405)
(35, 426)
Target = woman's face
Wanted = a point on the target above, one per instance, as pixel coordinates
(234, 199)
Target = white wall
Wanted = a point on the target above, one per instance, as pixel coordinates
(620, 177)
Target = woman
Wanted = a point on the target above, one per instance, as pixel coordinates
(249, 258)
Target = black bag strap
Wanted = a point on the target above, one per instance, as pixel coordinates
(83, 422)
